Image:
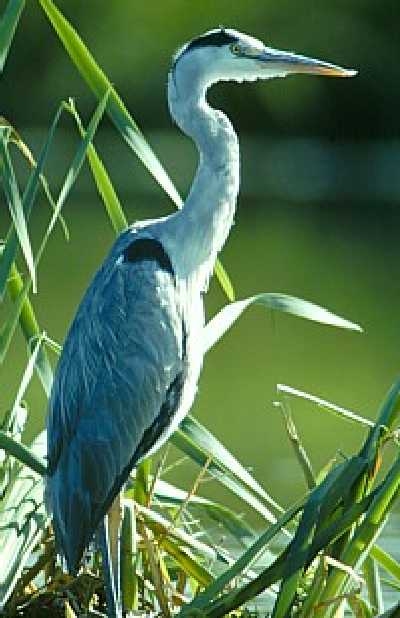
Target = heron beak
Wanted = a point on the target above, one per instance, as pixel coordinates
(289, 63)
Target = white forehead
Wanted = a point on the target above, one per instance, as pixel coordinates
(246, 39)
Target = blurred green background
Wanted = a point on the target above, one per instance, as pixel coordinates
(317, 215)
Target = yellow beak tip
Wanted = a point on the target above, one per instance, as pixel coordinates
(335, 71)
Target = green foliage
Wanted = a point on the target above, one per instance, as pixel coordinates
(14, 201)
(8, 24)
(173, 558)
(120, 116)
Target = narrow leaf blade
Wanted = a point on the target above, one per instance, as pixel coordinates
(203, 447)
(28, 374)
(386, 561)
(15, 203)
(10, 326)
(10, 248)
(22, 522)
(8, 26)
(29, 326)
(327, 405)
(207, 441)
(223, 320)
(99, 83)
(225, 281)
(102, 180)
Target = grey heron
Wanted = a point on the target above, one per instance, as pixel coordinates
(131, 360)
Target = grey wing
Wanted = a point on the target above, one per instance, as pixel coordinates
(117, 384)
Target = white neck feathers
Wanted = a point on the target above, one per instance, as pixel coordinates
(200, 229)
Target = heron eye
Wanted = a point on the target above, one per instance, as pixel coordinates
(235, 49)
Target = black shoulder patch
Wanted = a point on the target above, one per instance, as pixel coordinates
(148, 249)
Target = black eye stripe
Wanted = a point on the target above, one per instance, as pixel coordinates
(217, 38)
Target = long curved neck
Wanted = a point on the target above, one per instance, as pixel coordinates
(202, 226)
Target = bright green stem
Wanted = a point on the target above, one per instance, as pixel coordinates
(102, 180)
(8, 25)
(22, 453)
(99, 83)
(245, 561)
(283, 568)
(11, 242)
(30, 328)
(315, 590)
(143, 481)
(372, 578)
(237, 598)
(386, 561)
(129, 583)
(388, 416)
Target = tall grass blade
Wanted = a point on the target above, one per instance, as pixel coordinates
(223, 320)
(8, 25)
(30, 330)
(372, 578)
(194, 430)
(28, 156)
(28, 374)
(163, 527)
(199, 444)
(129, 584)
(225, 281)
(326, 405)
(298, 552)
(241, 566)
(169, 495)
(360, 544)
(283, 567)
(188, 564)
(143, 482)
(388, 416)
(23, 520)
(391, 583)
(12, 425)
(99, 83)
(155, 571)
(340, 486)
(28, 198)
(314, 591)
(393, 612)
(76, 165)
(359, 607)
(69, 612)
(10, 326)
(22, 453)
(102, 180)
(15, 203)
(298, 446)
(386, 561)
(223, 605)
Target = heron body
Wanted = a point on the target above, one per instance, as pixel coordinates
(131, 361)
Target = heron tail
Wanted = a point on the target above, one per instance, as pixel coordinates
(110, 570)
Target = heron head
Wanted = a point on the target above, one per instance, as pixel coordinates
(228, 55)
